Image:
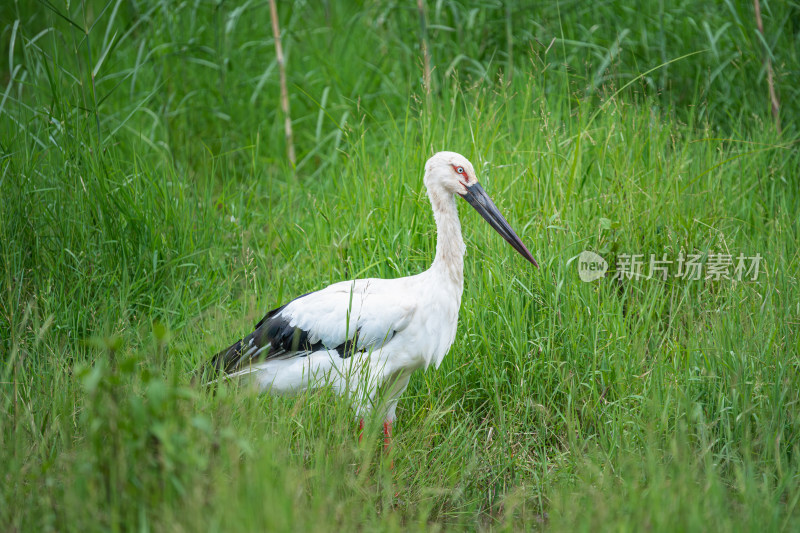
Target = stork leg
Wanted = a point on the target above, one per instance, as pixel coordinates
(387, 441)
(387, 438)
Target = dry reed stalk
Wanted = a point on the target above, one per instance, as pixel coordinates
(773, 95)
(423, 42)
(287, 118)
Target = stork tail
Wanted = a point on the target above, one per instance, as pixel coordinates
(226, 361)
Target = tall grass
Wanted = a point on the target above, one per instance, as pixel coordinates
(149, 217)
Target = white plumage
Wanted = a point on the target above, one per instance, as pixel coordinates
(365, 337)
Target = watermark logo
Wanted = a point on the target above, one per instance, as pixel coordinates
(591, 266)
(692, 267)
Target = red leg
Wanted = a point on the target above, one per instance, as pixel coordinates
(387, 440)
(360, 429)
(387, 436)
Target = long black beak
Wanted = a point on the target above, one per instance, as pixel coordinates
(484, 205)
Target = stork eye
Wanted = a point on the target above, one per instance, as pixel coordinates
(460, 170)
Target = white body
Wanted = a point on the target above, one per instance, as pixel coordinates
(396, 325)
(404, 324)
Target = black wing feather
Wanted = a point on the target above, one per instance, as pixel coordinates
(272, 338)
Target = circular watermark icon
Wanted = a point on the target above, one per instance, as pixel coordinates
(591, 266)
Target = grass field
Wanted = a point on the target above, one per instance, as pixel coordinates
(150, 215)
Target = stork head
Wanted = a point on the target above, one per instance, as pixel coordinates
(454, 174)
(450, 171)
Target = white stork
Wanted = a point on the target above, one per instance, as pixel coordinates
(365, 337)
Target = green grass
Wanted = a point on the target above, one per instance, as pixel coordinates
(149, 216)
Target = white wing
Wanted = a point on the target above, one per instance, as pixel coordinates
(369, 311)
(346, 317)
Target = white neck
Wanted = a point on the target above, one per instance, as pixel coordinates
(449, 244)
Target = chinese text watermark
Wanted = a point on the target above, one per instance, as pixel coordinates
(692, 267)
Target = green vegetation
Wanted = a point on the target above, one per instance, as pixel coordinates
(149, 215)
